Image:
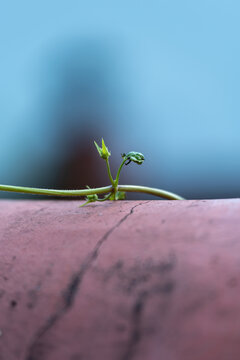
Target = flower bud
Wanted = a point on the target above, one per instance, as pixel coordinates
(103, 151)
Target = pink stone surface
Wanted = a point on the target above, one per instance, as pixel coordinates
(129, 280)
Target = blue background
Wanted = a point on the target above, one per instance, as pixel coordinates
(160, 77)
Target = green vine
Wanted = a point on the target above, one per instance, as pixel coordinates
(113, 191)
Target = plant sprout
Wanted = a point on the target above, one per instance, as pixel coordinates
(113, 191)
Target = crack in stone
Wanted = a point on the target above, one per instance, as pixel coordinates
(35, 351)
(136, 334)
(137, 313)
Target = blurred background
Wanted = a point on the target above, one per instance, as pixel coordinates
(160, 77)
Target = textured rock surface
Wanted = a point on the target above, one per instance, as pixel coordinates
(120, 281)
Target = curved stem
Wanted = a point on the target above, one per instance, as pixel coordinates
(118, 173)
(101, 190)
(109, 172)
(39, 191)
(86, 203)
(149, 190)
(105, 198)
(90, 201)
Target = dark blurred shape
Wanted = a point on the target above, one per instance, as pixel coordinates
(82, 166)
(78, 84)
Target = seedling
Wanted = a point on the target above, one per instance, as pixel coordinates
(113, 191)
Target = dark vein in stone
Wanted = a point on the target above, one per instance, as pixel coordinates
(136, 334)
(35, 351)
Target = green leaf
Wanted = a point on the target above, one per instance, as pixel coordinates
(134, 156)
(98, 148)
(120, 195)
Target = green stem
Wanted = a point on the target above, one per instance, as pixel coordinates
(101, 190)
(152, 191)
(86, 203)
(109, 172)
(38, 191)
(90, 201)
(118, 173)
(105, 198)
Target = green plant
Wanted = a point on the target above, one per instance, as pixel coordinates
(113, 191)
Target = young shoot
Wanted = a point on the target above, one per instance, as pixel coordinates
(113, 191)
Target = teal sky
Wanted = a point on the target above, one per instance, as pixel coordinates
(167, 83)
